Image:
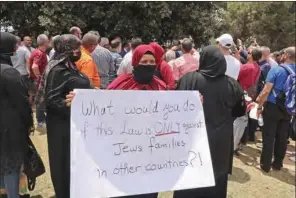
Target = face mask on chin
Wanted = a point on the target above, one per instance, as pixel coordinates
(143, 74)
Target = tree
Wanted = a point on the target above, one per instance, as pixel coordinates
(149, 20)
(22, 16)
(272, 23)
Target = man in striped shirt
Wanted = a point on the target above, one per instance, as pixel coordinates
(105, 64)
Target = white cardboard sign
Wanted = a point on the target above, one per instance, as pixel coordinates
(136, 142)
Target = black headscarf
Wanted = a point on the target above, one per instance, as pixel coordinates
(212, 62)
(64, 46)
(7, 47)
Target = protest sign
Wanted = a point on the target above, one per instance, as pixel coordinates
(136, 142)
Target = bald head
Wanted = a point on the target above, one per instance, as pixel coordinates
(170, 55)
(186, 45)
(76, 31)
(27, 41)
(265, 52)
(104, 41)
(90, 41)
(290, 52)
(42, 40)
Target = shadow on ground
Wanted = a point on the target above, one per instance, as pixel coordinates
(250, 157)
(239, 175)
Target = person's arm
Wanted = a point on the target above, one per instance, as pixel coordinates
(261, 99)
(27, 60)
(270, 80)
(17, 93)
(53, 91)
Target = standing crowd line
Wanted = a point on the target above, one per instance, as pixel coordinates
(232, 79)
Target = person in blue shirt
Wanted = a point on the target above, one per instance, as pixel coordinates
(276, 119)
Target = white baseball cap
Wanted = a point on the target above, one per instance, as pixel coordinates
(225, 40)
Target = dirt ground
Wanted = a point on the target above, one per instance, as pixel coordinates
(247, 180)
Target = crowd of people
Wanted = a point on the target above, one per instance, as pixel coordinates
(232, 79)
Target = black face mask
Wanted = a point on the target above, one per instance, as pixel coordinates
(73, 58)
(143, 74)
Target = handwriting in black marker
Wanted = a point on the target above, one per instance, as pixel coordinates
(166, 128)
(193, 158)
(102, 173)
(155, 145)
(125, 148)
(95, 110)
(188, 106)
(200, 158)
(169, 108)
(152, 108)
(102, 130)
(84, 130)
(125, 169)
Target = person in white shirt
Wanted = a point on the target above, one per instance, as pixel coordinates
(225, 41)
(126, 63)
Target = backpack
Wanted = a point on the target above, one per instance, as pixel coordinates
(287, 96)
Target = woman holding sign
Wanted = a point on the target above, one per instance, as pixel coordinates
(142, 78)
(223, 100)
(61, 77)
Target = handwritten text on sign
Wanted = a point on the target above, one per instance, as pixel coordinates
(136, 142)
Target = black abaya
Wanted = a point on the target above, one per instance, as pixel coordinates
(222, 99)
(61, 81)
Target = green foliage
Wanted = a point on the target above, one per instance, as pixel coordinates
(272, 23)
(149, 20)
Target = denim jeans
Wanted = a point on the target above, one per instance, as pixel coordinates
(40, 112)
(11, 184)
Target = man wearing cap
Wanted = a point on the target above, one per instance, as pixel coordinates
(225, 41)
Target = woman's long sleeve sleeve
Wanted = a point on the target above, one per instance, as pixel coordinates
(17, 93)
(55, 86)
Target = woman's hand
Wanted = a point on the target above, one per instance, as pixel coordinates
(69, 98)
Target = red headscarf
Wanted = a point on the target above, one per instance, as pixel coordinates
(163, 67)
(127, 81)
